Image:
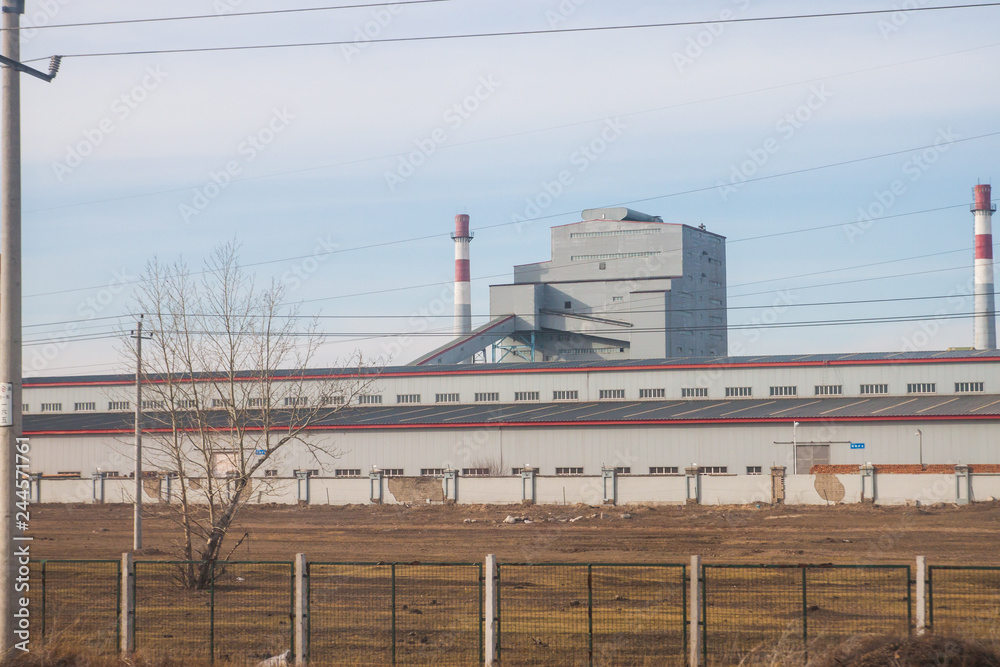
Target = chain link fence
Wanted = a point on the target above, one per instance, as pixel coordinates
(754, 611)
(596, 614)
(396, 613)
(964, 601)
(547, 614)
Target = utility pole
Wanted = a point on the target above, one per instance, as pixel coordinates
(10, 314)
(11, 537)
(137, 520)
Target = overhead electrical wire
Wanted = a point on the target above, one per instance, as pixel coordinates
(519, 33)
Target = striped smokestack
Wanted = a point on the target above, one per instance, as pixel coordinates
(985, 313)
(463, 289)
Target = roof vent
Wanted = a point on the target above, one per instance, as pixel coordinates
(619, 213)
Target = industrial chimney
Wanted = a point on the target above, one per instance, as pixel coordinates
(463, 288)
(985, 310)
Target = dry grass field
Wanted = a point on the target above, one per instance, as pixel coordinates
(374, 578)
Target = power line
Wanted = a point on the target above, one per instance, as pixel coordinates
(231, 15)
(517, 33)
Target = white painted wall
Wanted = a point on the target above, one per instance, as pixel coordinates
(653, 489)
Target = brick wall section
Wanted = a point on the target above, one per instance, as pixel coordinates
(905, 469)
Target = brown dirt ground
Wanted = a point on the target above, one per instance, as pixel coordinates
(947, 535)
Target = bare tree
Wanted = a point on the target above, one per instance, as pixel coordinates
(228, 378)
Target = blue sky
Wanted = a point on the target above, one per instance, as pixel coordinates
(298, 151)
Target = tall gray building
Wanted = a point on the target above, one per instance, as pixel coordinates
(620, 285)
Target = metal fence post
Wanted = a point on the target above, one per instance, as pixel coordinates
(694, 641)
(300, 629)
(921, 584)
(127, 619)
(590, 615)
(805, 620)
(490, 575)
(392, 571)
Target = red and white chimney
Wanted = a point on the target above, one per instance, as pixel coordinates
(463, 287)
(985, 309)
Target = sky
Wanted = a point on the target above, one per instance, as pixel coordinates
(836, 154)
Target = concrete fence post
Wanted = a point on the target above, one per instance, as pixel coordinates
(609, 480)
(693, 484)
(963, 486)
(694, 612)
(921, 584)
(36, 487)
(98, 481)
(375, 484)
(490, 610)
(301, 609)
(128, 605)
(528, 486)
(867, 483)
(302, 486)
(777, 485)
(451, 486)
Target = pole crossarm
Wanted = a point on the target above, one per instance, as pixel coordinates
(54, 63)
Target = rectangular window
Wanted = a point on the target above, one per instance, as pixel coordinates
(525, 395)
(293, 401)
(393, 472)
(713, 470)
(446, 398)
(565, 395)
(24, 407)
(753, 470)
(475, 472)
(153, 405)
(85, 407)
(63, 473)
(270, 473)
(569, 471)
(969, 387)
(309, 473)
(663, 470)
(611, 393)
(407, 398)
(874, 389)
(652, 393)
(255, 402)
(118, 405)
(187, 403)
(431, 472)
(487, 397)
(220, 402)
(738, 392)
(331, 400)
(51, 407)
(829, 390)
(369, 399)
(623, 470)
(616, 299)
(694, 392)
(921, 388)
(784, 391)
(347, 472)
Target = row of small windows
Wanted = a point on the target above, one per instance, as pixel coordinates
(520, 396)
(616, 232)
(469, 472)
(614, 255)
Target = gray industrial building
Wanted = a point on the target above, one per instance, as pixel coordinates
(620, 285)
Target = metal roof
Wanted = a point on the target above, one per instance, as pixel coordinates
(947, 356)
(883, 408)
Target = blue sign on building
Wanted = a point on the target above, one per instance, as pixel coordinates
(857, 445)
(261, 452)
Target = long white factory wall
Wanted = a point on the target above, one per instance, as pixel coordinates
(924, 489)
(588, 384)
(546, 448)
